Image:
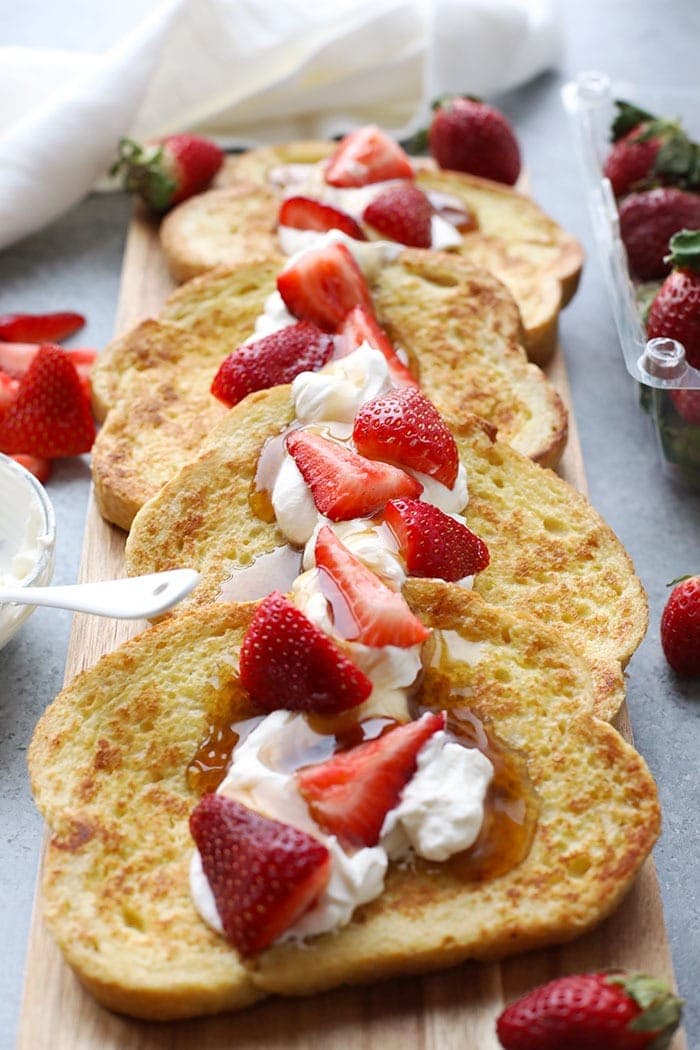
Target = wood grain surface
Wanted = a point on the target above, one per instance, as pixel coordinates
(451, 1010)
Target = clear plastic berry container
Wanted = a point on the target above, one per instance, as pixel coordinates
(658, 365)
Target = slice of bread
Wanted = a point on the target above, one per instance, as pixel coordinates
(534, 257)
(458, 325)
(107, 765)
(551, 554)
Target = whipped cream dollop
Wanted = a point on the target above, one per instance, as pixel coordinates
(440, 812)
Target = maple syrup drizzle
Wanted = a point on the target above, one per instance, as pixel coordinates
(210, 762)
(275, 570)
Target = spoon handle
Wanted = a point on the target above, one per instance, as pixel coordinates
(127, 599)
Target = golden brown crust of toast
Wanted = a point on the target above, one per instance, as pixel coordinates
(107, 766)
(452, 320)
(534, 257)
(551, 554)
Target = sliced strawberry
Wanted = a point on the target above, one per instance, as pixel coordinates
(323, 285)
(264, 874)
(432, 543)
(288, 662)
(402, 213)
(350, 794)
(276, 358)
(40, 468)
(8, 390)
(361, 326)
(305, 213)
(15, 359)
(403, 426)
(50, 416)
(378, 615)
(343, 484)
(367, 155)
(39, 328)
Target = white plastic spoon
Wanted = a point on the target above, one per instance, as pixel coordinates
(128, 599)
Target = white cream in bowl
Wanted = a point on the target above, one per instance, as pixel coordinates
(27, 539)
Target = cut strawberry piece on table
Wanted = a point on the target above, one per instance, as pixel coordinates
(323, 285)
(378, 615)
(403, 214)
(367, 155)
(432, 543)
(350, 794)
(305, 213)
(8, 390)
(274, 359)
(15, 359)
(288, 662)
(404, 427)
(263, 874)
(50, 416)
(361, 326)
(39, 328)
(40, 468)
(343, 484)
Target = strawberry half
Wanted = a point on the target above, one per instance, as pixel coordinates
(39, 328)
(50, 416)
(8, 390)
(404, 427)
(361, 326)
(379, 615)
(15, 359)
(288, 662)
(345, 485)
(264, 874)
(40, 468)
(323, 285)
(367, 155)
(402, 213)
(277, 358)
(432, 543)
(305, 213)
(350, 794)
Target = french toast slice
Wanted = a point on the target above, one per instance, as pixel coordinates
(551, 554)
(534, 257)
(107, 765)
(458, 325)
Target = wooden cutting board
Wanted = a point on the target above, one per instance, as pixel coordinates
(452, 1010)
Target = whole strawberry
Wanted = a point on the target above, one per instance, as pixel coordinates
(592, 1011)
(166, 172)
(675, 310)
(680, 627)
(469, 135)
(648, 220)
(649, 151)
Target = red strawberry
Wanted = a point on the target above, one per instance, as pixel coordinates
(50, 416)
(288, 662)
(40, 468)
(276, 358)
(323, 285)
(648, 150)
(675, 311)
(648, 220)
(264, 875)
(680, 627)
(468, 135)
(367, 155)
(687, 405)
(15, 359)
(379, 615)
(361, 326)
(39, 328)
(403, 214)
(344, 484)
(432, 543)
(350, 794)
(167, 171)
(404, 427)
(8, 390)
(592, 1011)
(304, 213)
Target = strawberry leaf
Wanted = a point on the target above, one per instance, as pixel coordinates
(628, 117)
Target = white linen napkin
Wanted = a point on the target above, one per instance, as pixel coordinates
(249, 72)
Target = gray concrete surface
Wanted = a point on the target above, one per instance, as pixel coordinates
(75, 264)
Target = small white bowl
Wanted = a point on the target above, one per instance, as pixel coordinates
(27, 539)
